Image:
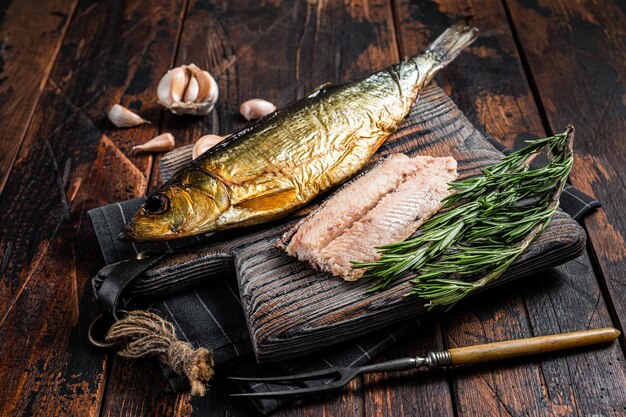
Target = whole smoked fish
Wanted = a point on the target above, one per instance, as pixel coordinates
(282, 161)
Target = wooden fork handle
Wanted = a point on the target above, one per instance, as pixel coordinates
(530, 346)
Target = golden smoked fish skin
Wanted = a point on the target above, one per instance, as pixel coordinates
(282, 161)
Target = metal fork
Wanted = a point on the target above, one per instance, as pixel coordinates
(334, 378)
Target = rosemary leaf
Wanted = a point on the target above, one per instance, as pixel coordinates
(485, 225)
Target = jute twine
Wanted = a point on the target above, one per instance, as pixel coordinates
(142, 334)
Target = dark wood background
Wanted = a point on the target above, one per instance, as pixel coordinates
(536, 66)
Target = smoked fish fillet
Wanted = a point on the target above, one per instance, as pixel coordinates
(365, 214)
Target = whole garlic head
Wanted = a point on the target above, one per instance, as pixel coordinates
(188, 90)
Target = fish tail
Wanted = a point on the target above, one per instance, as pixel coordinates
(446, 47)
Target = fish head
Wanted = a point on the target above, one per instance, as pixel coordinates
(187, 205)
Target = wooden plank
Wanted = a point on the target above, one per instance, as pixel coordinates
(575, 52)
(146, 392)
(490, 87)
(72, 160)
(32, 32)
(86, 80)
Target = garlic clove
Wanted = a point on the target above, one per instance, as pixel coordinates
(120, 116)
(164, 90)
(192, 90)
(256, 108)
(207, 87)
(178, 84)
(214, 91)
(204, 144)
(162, 143)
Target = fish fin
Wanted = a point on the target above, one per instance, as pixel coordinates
(271, 201)
(319, 89)
(448, 46)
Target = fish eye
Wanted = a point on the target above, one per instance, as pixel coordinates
(156, 204)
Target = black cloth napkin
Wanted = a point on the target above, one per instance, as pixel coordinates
(210, 315)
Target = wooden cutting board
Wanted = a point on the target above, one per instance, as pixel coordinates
(292, 309)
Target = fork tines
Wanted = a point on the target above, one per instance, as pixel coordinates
(286, 379)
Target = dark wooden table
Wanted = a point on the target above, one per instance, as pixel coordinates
(536, 66)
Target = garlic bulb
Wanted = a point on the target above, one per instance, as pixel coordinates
(120, 116)
(204, 144)
(256, 108)
(188, 90)
(162, 143)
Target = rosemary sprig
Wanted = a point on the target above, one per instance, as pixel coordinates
(486, 224)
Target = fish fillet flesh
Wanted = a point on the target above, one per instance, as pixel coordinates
(350, 204)
(384, 206)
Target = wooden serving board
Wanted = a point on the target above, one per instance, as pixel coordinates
(292, 309)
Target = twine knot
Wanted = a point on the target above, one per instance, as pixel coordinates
(142, 334)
